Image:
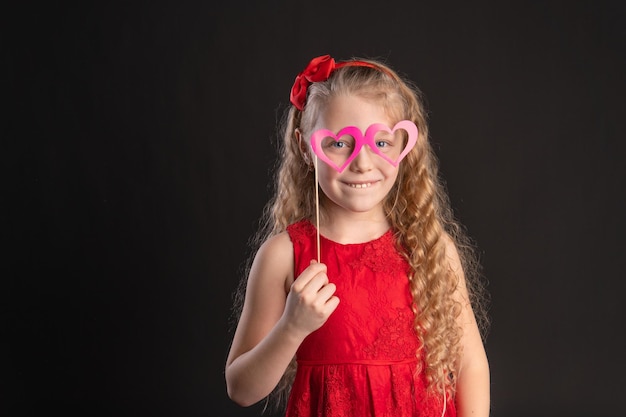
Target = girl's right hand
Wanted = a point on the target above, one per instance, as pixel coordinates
(311, 300)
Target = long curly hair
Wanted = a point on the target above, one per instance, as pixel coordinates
(418, 209)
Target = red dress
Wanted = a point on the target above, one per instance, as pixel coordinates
(362, 362)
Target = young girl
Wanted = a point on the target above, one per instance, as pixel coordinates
(362, 298)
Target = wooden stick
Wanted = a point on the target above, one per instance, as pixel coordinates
(317, 210)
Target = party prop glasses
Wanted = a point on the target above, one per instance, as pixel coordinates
(339, 149)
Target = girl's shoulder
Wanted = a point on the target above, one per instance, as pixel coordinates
(452, 256)
(273, 263)
(276, 245)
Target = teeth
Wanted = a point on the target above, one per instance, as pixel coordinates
(361, 185)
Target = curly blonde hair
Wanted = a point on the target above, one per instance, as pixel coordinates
(417, 207)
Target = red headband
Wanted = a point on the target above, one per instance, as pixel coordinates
(319, 69)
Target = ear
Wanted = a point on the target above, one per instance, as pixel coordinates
(304, 146)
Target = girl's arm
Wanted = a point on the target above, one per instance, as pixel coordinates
(473, 391)
(275, 319)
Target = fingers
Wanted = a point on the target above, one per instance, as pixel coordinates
(311, 300)
(314, 289)
(331, 305)
(315, 272)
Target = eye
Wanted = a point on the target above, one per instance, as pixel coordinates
(343, 145)
(384, 142)
(387, 142)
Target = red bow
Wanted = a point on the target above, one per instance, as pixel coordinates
(319, 69)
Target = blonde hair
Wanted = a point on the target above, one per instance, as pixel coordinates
(417, 207)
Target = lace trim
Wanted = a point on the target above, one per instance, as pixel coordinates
(391, 340)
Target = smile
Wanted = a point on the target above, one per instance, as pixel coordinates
(362, 185)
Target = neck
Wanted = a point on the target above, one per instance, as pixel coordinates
(354, 228)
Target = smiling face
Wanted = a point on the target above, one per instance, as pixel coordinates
(365, 182)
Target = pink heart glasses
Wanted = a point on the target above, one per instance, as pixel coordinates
(338, 150)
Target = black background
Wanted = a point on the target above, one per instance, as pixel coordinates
(138, 141)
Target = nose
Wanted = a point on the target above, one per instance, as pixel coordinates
(363, 161)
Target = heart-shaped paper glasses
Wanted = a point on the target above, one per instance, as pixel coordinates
(339, 149)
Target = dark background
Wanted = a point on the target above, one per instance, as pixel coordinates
(138, 141)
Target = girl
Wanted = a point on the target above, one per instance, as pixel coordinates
(361, 299)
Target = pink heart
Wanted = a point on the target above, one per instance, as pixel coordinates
(360, 140)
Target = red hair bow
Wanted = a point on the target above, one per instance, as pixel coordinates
(319, 69)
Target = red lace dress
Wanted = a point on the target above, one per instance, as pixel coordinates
(362, 362)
